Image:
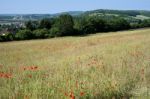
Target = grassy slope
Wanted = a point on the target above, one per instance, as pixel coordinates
(101, 65)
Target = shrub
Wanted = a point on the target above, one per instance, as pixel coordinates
(31, 25)
(41, 33)
(54, 32)
(9, 37)
(145, 23)
(116, 24)
(1, 38)
(45, 23)
(24, 35)
(65, 24)
(88, 25)
(6, 37)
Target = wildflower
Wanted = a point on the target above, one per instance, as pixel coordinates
(30, 68)
(33, 68)
(26, 97)
(24, 68)
(66, 94)
(1, 75)
(81, 93)
(30, 76)
(5, 75)
(72, 95)
(142, 74)
(8, 75)
(142, 71)
(89, 64)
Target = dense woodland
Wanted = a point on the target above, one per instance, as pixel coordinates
(67, 25)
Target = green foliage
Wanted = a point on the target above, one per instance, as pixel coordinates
(97, 24)
(118, 12)
(88, 25)
(81, 25)
(24, 35)
(31, 25)
(9, 36)
(65, 24)
(94, 67)
(54, 32)
(45, 23)
(6, 37)
(117, 24)
(1, 38)
(40, 33)
(145, 23)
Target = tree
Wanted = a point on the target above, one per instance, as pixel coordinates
(97, 23)
(84, 26)
(80, 24)
(145, 23)
(45, 23)
(32, 25)
(65, 24)
(88, 25)
(54, 32)
(24, 35)
(116, 24)
(6, 37)
(9, 37)
(40, 33)
(1, 38)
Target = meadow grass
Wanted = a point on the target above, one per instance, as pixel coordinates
(113, 65)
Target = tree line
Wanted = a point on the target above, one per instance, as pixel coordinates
(66, 25)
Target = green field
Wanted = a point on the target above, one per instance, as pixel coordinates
(113, 65)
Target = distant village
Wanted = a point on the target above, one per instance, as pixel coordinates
(12, 24)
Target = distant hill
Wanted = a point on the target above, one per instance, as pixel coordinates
(120, 12)
(130, 15)
(35, 16)
(137, 14)
(73, 13)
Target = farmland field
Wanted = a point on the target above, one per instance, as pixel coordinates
(113, 65)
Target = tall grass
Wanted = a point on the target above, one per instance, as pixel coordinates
(101, 66)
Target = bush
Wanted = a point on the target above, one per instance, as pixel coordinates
(88, 25)
(54, 32)
(117, 24)
(83, 26)
(145, 23)
(41, 33)
(45, 23)
(9, 37)
(1, 38)
(31, 25)
(65, 24)
(24, 35)
(6, 37)
(135, 25)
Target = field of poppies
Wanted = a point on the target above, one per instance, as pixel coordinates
(112, 65)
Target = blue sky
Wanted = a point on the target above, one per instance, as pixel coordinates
(55, 6)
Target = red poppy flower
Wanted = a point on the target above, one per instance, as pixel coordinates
(81, 93)
(72, 95)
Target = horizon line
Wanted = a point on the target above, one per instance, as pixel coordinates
(75, 11)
